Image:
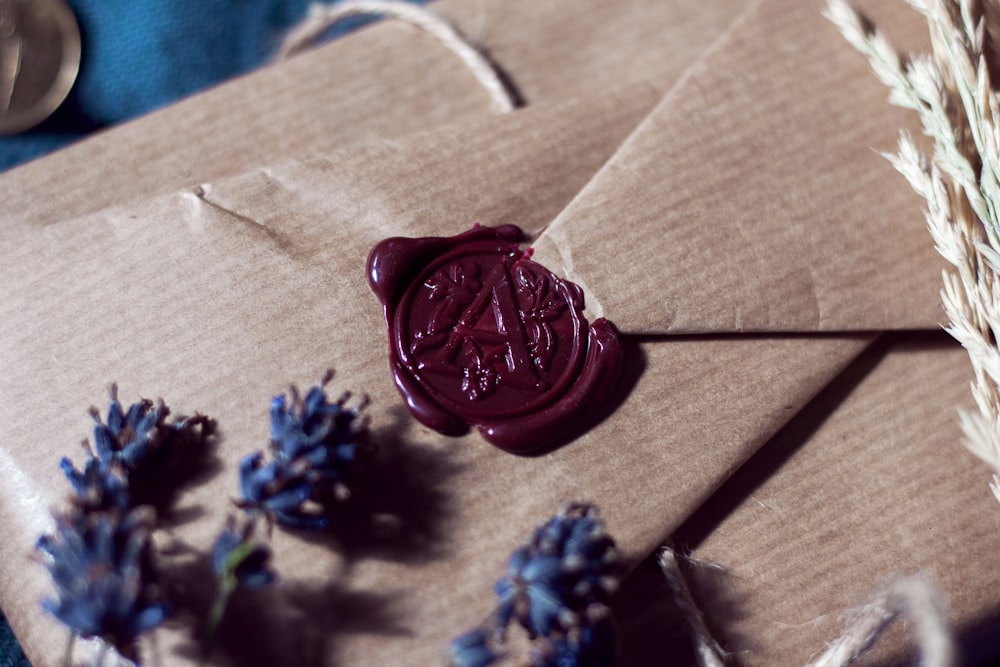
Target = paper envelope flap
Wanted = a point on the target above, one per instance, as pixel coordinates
(882, 489)
(521, 168)
(387, 80)
(217, 299)
(752, 198)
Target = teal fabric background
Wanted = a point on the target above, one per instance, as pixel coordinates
(139, 55)
(11, 654)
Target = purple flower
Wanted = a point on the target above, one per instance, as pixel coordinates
(97, 487)
(237, 562)
(100, 555)
(327, 438)
(101, 565)
(280, 492)
(591, 643)
(318, 448)
(235, 556)
(557, 588)
(130, 436)
(473, 649)
(570, 563)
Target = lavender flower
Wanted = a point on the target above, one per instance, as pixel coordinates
(122, 443)
(329, 437)
(318, 448)
(138, 455)
(591, 643)
(570, 564)
(100, 556)
(97, 487)
(280, 492)
(101, 566)
(130, 436)
(473, 649)
(237, 561)
(235, 557)
(557, 588)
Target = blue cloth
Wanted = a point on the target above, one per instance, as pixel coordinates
(142, 54)
(11, 654)
(139, 55)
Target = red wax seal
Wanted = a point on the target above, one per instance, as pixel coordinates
(481, 335)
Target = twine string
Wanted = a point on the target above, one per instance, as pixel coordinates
(322, 17)
(913, 597)
(706, 649)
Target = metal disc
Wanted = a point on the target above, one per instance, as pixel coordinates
(39, 60)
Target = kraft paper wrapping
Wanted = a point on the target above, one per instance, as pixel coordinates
(216, 298)
(219, 294)
(388, 80)
(770, 160)
(824, 516)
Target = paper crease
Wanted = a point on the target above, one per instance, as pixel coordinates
(281, 241)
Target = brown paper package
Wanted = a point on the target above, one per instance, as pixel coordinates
(385, 81)
(246, 284)
(868, 488)
(218, 295)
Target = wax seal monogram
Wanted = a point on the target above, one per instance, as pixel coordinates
(480, 335)
(39, 60)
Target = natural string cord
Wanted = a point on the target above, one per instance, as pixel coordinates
(322, 17)
(707, 650)
(912, 596)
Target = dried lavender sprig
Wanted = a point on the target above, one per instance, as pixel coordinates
(318, 449)
(97, 487)
(570, 563)
(237, 560)
(101, 564)
(590, 643)
(100, 556)
(137, 444)
(557, 588)
(476, 648)
(129, 436)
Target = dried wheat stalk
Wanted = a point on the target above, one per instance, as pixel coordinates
(960, 111)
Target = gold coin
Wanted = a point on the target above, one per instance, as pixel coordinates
(39, 60)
